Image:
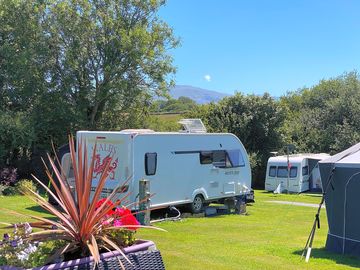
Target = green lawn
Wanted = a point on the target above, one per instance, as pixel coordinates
(271, 236)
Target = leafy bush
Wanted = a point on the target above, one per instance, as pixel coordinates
(19, 188)
(10, 191)
(15, 137)
(2, 188)
(8, 176)
(25, 185)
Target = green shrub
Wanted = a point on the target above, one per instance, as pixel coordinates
(10, 191)
(25, 185)
(20, 187)
(2, 188)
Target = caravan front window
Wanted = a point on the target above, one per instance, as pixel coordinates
(272, 171)
(282, 172)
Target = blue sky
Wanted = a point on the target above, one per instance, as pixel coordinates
(259, 46)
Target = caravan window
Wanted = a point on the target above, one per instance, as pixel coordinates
(150, 163)
(219, 159)
(272, 171)
(305, 170)
(206, 157)
(222, 158)
(293, 172)
(236, 158)
(282, 172)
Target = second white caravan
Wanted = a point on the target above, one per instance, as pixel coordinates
(299, 173)
(183, 168)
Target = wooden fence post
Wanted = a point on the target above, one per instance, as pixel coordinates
(144, 199)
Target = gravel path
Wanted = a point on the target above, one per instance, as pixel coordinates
(315, 205)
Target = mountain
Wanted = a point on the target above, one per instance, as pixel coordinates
(199, 95)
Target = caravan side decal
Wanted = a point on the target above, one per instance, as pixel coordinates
(105, 153)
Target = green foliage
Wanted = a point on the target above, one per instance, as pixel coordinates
(180, 105)
(324, 118)
(10, 191)
(24, 185)
(2, 189)
(70, 65)
(256, 120)
(23, 253)
(164, 122)
(43, 252)
(16, 135)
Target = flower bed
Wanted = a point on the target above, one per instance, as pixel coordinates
(143, 256)
(84, 229)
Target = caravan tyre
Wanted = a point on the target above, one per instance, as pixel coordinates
(197, 205)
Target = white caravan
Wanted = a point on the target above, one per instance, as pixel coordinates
(303, 174)
(183, 168)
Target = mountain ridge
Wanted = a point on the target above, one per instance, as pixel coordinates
(199, 95)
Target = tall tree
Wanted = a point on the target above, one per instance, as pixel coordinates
(256, 120)
(82, 64)
(326, 117)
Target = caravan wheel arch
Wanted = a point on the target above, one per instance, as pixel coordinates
(199, 191)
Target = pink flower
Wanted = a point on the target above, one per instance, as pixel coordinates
(105, 222)
(117, 223)
(125, 218)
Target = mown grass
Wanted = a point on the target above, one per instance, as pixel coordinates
(271, 236)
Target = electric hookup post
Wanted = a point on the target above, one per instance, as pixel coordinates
(144, 199)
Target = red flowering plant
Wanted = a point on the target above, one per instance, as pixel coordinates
(122, 218)
(84, 224)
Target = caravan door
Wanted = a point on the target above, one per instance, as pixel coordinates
(305, 177)
(211, 172)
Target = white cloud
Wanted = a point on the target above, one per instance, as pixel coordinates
(207, 77)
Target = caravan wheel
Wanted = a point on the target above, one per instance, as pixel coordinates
(198, 204)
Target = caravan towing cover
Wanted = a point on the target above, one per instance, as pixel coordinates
(342, 200)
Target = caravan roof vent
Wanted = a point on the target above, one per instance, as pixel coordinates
(192, 126)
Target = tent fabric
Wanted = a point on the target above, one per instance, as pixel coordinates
(342, 200)
(343, 155)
